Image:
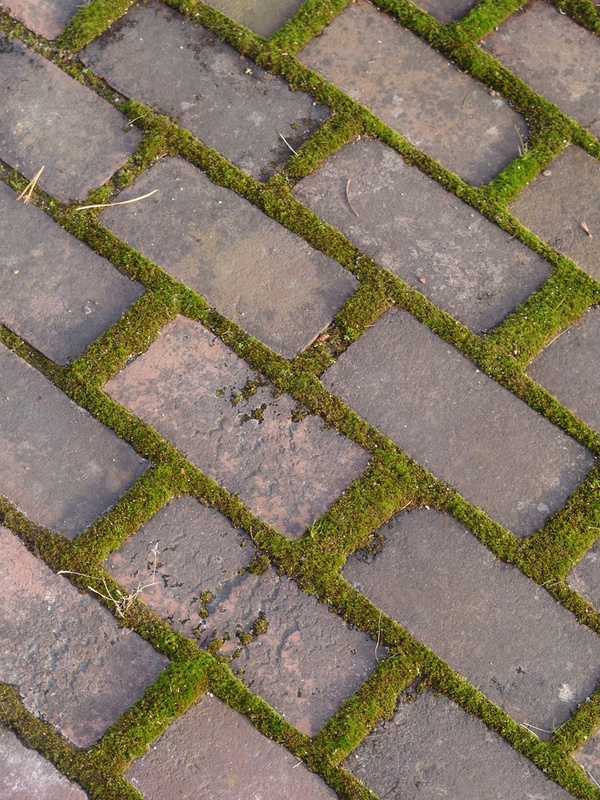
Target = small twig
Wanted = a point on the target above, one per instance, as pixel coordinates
(348, 198)
(119, 203)
(378, 637)
(28, 190)
(288, 144)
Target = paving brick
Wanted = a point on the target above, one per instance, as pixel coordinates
(458, 423)
(262, 16)
(228, 102)
(585, 575)
(255, 271)
(306, 664)
(45, 17)
(73, 665)
(431, 239)
(558, 58)
(431, 748)
(55, 292)
(51, 120)
(531, 657)
(589, 757)
(555, 205)
(188, 386)
(186, 762)
(447, 10)
(569, 368)
(417, 92)
(26, 775)
(58, 465)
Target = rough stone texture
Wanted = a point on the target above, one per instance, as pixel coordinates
(188, 386)
(417, 92)
(55, 292)
(184, 761)
(585, 575)
(306, 664)
(446, 10)
(531, 656)
(558, 58)
(57, 464)
(458, 423)
(431, 239)
(46, 17)
(49, 119)
(26, 775)
(589, 757)
(253, 270)
(262, 16)
(555, 205)
(569, 368)
(73, 665)
(227, 101)
(431, 748)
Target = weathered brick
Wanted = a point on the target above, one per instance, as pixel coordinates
(227, 101)
(488, 621)
(26, 775)
(73, 665)
(45, 17)
(58, 465)
(554, 205)
(253, 270)
(417, 92)
(189, 385)
(55, 292)
(49, 119)
(425, 235)
(213, 751)
(262, 16)
(458, 423)
(558, 58)
(432, 748)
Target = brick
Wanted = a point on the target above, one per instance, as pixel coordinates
(417, 92)
(227, 101)
(187, 762)
(447, 10)
(73, 665)
(458, 423)
(51, 120)
(26, 775)
(432, 748)
(306, 664)
(569, 368)
(531, 657)
(428, 237)
(589, 757)
(253, 270)
(585, 575)
(262, 16)
(555, 205)
(188, 386)
(558, 58)
(45, 17)
(58, 465)
(55, 292)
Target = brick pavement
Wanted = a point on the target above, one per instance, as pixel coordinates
(299, 493)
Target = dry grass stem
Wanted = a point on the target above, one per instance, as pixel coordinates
(288, 144)
(119, 203)
(378, 637)
(28, 190)
(122, 603)
(354, 211)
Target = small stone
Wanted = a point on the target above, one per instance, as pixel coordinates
(422, 280)
(546, 173)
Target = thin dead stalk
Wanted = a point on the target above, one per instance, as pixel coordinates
(28, 190)
(288, 144)
(354, 211)
(118, 203)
